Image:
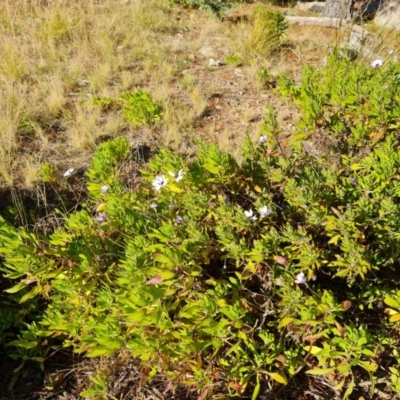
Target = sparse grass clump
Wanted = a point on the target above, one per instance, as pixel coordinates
(265, 36)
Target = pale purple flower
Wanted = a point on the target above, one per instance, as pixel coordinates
(104, 189)
(101, 217)
(159, 181)
(178, 219)
(264, 211)
(154, 205)
(353, 181)
(179, 176)
(377, 63)
(171, 206)
(300, 279)
(69, 172)
(262, 139)
(250, 216)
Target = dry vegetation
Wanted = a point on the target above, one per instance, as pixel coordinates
(55, 57)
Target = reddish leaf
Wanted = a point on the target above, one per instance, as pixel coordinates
(235, 386)
(167, 388)
(346, 305)
(281, 260)
(204, 394)
(156, 279)
(143, 377)
(341, 330)
(312, 338)
(281, 358)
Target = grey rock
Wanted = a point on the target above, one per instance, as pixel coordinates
(388, 16)
(310, 5)
(207, 51)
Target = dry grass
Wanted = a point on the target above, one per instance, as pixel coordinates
(56, 56)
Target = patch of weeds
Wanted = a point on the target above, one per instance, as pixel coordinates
(103, 102)
(47, 173)
(234, 60)
(138, 108)
(265, 79)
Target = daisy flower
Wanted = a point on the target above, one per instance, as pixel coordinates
(264, 211)
(159, 182)
(179, 176)
(300, 279)
(377, 63)
(250, 216)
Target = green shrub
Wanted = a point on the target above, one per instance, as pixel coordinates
(234, 60)
(251, 271)
(138, 108)
(216, 6)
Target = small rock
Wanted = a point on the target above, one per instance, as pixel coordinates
(83, 82)
(317, 9)
(310, 6)
(388, 16)
(207, 51)
(238, 72)
(214, 63)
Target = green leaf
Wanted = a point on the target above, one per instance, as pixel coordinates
(36, 290)
(167, 274)
(368, 365)
(24, 344)
(161, 258)
(320, 371)
(174, 188)
(89, 392)
(101, 351)
(394, 318)
(349, 389)
(392, 302)
(136, 316)
(16, 288)
(314, 350)
(284, 322)
(212, 168)
(279, 377)
(256, 390)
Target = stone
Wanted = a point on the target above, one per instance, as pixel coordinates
(207, 51)
(317, 9)
(388, 16)
(215, 63)
(366, 9)
(310, 6)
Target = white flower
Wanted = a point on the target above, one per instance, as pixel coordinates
(69, 172)
(104, 189)
(178, 177)
(262, 139)
(159, 182)
(250, 216)
(102, 217)
(377, 63)
(300, 279)
(264, 211)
